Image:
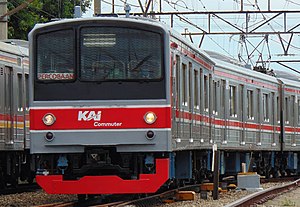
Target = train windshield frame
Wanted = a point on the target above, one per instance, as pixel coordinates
(73, 69)
(107, 53)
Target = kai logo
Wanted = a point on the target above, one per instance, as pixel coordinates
(89, 115)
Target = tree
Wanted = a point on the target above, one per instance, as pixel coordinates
(39, 11)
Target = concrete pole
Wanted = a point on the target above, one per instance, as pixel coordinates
(3, 21)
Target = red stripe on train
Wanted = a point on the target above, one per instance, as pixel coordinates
(18, 118)
(100, 118)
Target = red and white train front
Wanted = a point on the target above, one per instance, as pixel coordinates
(100, 114)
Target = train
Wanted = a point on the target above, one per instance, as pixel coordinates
(15, 161)
(128, 106)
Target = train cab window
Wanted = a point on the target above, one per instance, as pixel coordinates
(114, 54)
(265, 102)
(55, 56)
(184, 85)
(206, 93)
(232, 101)
(250, 113)
(196, 89)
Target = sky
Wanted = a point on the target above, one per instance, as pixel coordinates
(229, 45)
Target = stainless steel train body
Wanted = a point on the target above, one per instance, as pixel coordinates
(14, 112)
(124, 105)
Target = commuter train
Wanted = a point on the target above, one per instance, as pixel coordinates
(14, 114)
(126, 105)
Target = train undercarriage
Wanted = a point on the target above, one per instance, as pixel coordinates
(116, 172)
(15, 168)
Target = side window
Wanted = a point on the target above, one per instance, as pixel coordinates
(27, 92)
(292, 110)
(189, 85)
(265, 102)
(206, 91)
(223, 92)
(177, 80)
(250, 113)
(278, 109)
(286, 105)
(20, 92)
(216, 97)
(232, 100)
(196, 89)
(298, 111)
(184, 85)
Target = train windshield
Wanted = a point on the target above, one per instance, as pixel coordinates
(105, 61)
(55, 59)
(111, 53)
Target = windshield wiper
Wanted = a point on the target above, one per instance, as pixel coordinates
(142, 62)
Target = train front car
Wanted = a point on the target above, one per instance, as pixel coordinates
(100, 105)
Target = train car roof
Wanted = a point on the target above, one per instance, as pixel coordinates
(191, 45)
(234, 65)
(134, 19)
(108, 18)
(290, 82)
(287, 75)
(14, 47)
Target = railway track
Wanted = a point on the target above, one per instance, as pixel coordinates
(19, 189)
(279, 179)
(265, 195)
(158, 199)
(124, 200)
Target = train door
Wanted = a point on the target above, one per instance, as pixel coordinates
(196, 105)
(205, 104)
(224, 109)
(8, 106)
(177, 102)
(20, 109)
(173, 94)
(26, 111)
(190, 101)
(273, 111)
(259, 117)
(293, 120)
(287, 123)
(215, 110)
(250, 136)
(211, 107)
(184, 108)
(242, 116)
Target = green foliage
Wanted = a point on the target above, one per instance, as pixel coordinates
(39, 11)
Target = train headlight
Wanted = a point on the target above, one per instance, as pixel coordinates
(150, 117)
(49, 119)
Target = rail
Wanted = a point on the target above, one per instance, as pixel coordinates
(265, 195)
